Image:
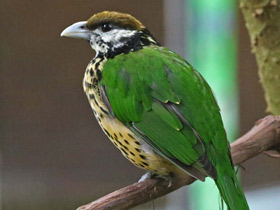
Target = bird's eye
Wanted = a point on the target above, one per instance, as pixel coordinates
(105, 27)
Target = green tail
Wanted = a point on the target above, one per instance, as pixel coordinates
(231, 190)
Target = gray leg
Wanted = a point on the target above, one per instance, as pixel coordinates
(147, 175)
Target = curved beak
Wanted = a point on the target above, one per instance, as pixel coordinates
(77, 30)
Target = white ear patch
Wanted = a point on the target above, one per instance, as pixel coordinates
(115, 35)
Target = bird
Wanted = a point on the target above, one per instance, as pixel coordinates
(154, 106)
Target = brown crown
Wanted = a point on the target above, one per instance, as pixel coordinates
(121, 20)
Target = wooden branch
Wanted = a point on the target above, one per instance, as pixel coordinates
(265, 135)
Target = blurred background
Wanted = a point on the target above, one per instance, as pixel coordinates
(53, 155)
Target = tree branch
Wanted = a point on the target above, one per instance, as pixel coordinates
(265, 135)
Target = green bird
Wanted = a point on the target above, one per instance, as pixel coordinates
(154, 106)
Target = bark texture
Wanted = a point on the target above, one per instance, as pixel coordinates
(263, 23)
(265, 135)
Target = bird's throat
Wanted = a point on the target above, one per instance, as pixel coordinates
(123, 45)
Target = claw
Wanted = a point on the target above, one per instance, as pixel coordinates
(167, 178)
(169, 182)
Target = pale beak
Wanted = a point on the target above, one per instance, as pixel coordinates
(77, 30)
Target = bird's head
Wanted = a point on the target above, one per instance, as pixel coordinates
(111, 33)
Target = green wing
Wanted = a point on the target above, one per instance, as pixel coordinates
(166, 102)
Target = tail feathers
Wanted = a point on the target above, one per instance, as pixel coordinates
(231, 191)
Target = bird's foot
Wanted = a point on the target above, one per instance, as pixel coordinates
(167, 178)
(149, 175)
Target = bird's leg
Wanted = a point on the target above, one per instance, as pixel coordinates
(149, 175)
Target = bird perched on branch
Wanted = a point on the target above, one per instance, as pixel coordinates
(153, 105)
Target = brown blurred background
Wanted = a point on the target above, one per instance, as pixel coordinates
(53, 153)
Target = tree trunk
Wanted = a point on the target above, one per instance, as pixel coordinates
(263, 23)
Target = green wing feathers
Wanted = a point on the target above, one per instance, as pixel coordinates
(157, 93)
(142, 86)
